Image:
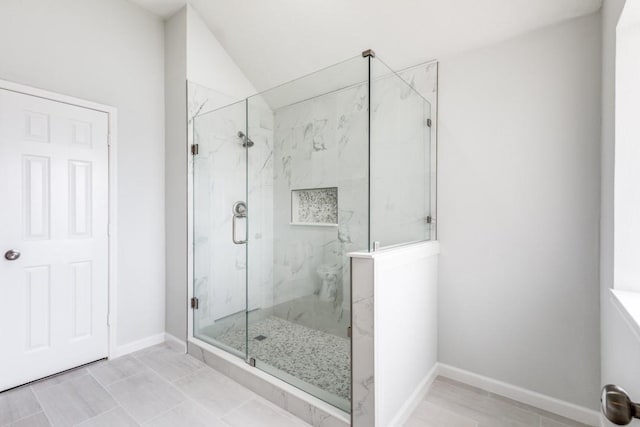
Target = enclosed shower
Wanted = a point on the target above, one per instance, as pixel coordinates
(285, 184)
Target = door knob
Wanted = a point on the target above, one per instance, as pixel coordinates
(12, 255)
(617, 406)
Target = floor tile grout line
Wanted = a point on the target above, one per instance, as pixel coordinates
(256, 395)
(125, 377)
(279, 410)
(201, 406)
(100, 414)
(185, 375)
(161, 413)
(206, 367)
(106, 391)
(184, 395)
(44, 411)
(177, 379)
(114, 399)
(41, 411)
(253, 395)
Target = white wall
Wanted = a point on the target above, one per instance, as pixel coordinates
(627, 151)
(406, 281)
(209, 65)
(111, 52)
(176, 155)
(519, 202)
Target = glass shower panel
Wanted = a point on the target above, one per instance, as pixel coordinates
(400, 160)
(308, 177)
(219, 263)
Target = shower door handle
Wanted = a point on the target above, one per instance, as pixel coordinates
(239, 211)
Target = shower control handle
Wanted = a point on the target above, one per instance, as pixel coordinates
(239, 211)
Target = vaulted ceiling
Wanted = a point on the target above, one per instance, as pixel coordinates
(274, 41)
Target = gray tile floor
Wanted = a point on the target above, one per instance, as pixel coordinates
(161, 387)
(452, 404)
(158, 386)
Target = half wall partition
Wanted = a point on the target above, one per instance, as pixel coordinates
(285, 184)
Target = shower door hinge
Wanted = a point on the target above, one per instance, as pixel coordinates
(430, 220)
(194, 303)
(252, 362)
(428, 123)
(194, 149)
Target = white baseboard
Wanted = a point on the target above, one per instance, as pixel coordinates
(541, 401)
(416, 397)
(175, 342)
(139, 345)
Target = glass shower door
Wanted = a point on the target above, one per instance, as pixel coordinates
(308, 197)
(220, 222)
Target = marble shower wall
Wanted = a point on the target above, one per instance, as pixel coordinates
(320, 143)
(219, 180)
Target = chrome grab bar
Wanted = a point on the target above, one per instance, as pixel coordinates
(239, 211)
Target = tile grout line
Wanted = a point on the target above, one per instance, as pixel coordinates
(27, 416)
(187, 397)
(172, 383)
(275, 406)
(207, 367)
(113, 397)
(41, 405)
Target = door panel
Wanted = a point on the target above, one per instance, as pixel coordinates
(54, 191)
(220, 264)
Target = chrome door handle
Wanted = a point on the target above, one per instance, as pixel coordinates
(239, 211)
(12, 255)
(617, 406)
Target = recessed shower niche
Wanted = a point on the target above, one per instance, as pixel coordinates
(315, 206)
(323, 166)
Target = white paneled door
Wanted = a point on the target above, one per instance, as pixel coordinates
(53, 237)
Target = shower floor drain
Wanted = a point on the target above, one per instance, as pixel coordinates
(260, 338)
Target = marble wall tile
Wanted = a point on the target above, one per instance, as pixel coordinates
(362, 344)
(320, 143)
